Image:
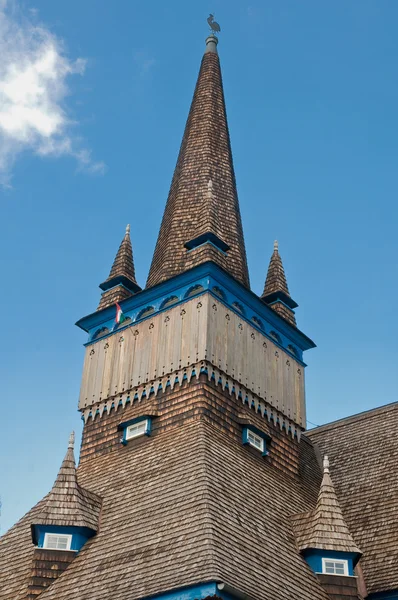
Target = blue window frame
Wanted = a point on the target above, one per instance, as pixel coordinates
(252, 436)
(135, 428)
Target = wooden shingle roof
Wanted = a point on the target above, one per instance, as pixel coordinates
(276, 292)
(187, 506)
(324, 528)
(276, 278)
(121, 282)
(124, 263)
(193, 210)
(363, 451)
(68, 504)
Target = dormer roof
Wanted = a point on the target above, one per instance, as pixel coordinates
(68, 504)
(324, 528)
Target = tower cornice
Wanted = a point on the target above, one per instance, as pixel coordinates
(208, 275)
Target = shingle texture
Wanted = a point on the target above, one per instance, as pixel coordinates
(205, 156)
(186, 505)
(276, 282)
(324, 528)
(123, 266)
(363, 452)
(276, 278)
(68, 504)
(123, 263)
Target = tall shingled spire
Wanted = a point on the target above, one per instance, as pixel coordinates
(202, 219)
(276, 292)
(121, 282)
(324, 528)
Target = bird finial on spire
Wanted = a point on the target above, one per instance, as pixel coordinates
(214, 26)
(325, 464)
(72, 440)
(276, 246)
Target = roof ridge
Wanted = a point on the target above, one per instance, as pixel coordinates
(352, 418)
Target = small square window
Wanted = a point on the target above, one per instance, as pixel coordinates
(57, 541)
(255, 440)
(137, 429)
(253, 437)
(334, 567)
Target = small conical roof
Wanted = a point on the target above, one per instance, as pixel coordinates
(324, 528)
(276, 278)
(68, 504)
(202, 220)
(123, 265)
(121, 283)
(276, 292)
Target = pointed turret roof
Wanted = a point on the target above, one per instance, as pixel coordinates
(276, 292)
(68, 504)
(202, 219)
(121, 282)
(324, 528)
(276, 278)
(123, 265)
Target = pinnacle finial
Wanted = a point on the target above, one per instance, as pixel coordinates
(127, 228)
(72, 440)
(276, 246)
(325, 464)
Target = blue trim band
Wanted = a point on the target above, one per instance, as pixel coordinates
(207, 277)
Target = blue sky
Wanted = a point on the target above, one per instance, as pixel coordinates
(312, 94)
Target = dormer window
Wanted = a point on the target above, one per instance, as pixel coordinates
(136, 428)
(255, 438)
(57, 541)
(331, 566)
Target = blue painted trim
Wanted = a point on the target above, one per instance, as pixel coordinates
(80, 535)
(194, 592)
(209, 276)
(313, 558)
(124, 426)
(120, 280)
(390, 595)
(207, 237)
(280, 296)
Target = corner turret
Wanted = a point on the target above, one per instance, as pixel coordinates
(121, 282)
(276, 292)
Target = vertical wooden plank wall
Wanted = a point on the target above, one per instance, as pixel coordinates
(198, 330)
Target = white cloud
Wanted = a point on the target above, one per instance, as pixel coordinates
(33, 88)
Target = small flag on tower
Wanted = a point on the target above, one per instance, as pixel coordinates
(120, 317)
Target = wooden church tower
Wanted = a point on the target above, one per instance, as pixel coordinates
(194, 480)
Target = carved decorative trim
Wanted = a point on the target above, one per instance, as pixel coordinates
(177, 377)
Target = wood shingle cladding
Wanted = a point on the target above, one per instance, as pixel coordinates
(190, 504)
(276, 288)
(363, 453)
(121, 283)
(68, 504)
(324, 528)
(191, 210)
